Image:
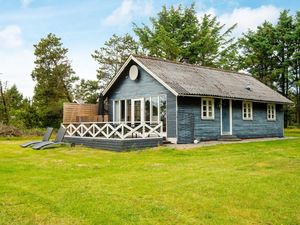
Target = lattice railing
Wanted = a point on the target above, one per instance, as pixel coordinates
(121, 130)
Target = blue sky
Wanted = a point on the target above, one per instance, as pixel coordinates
(85, 25)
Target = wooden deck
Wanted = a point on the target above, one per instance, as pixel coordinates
(119, 136)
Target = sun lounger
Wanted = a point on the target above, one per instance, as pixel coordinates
(46, 137)
(46, 144)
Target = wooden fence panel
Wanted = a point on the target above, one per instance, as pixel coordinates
(74, 112)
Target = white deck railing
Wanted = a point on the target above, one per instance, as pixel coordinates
(119, 130)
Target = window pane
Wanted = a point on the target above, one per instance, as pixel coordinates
(147, 109)
(122, 110)
(163, 111)
(117, 111)
(207, 109)
(154, 101)
(128, 110)
(137, 111)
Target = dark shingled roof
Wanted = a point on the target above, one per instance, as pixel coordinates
(191, 80)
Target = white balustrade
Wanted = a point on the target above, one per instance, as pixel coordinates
(120, 130)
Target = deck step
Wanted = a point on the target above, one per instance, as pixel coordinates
(228, 138)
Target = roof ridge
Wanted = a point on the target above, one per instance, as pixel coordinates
(188, 64)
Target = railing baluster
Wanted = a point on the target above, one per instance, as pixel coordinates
(118, 130)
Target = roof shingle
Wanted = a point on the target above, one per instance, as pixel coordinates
(186, 79)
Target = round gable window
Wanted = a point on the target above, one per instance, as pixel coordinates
(133, 72)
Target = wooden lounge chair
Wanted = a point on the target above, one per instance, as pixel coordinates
(47, 144)
(46, 137)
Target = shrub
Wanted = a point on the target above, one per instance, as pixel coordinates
(10, 131)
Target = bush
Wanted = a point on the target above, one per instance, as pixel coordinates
(10, 131)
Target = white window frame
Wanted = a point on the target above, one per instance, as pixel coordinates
(207, 117)
(142, 100)
(271, 110)
(132, 100)
(249, 106)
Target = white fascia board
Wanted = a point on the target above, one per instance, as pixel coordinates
(117, 75)
(155, 76)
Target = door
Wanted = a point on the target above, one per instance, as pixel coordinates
(226, 118)
(137, 111)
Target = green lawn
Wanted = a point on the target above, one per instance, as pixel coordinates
(246, 183)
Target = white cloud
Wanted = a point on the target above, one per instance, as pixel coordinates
(248, 18)
(10, 37)
(83, 64)
(16, 67)
(26, 3)
(128, 9)
(245, 17)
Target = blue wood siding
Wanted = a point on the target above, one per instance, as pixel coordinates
(190, 124)
(259, 126)
(115, 144)
(144, 86)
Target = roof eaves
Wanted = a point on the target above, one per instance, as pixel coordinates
(235, 98)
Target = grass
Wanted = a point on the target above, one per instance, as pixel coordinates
(246, 183)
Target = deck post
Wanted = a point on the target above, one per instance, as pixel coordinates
(143, 130)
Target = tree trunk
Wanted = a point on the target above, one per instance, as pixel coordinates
(6, 117)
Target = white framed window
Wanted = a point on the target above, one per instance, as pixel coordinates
(116, 111)
(154, 109)
(271, 112)
(120, 110)
(207, 109)
(247, 111)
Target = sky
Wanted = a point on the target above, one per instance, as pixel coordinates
(84, 26)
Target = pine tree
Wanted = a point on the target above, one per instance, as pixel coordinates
(177, 33)
(112, 55)
(54, 78)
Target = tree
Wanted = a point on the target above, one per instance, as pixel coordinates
(87, 90)
(172, 33)
(14, 98)
(177, 33)
(112, 55)
(4, 116)
(271, 53)
(258, 53)
(283, 51)
(15, 108)
(20, 109)
(296, 65)
(27, 116)
(54, 79)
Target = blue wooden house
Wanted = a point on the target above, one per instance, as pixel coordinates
(150, 99)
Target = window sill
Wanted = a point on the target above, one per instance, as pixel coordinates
(207, 118)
